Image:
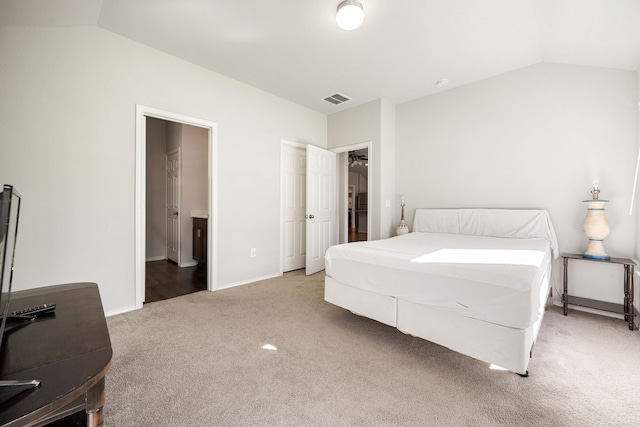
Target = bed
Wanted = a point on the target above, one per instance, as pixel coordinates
(474, 280)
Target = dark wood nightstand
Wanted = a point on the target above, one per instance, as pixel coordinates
(625, 308)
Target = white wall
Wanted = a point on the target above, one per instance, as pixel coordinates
(67, 142)
(532, 138)
(359, 183)
(174, 136)
(389, 198)
(156, 216)
(637, 193)
(372, 122)
(194, 184)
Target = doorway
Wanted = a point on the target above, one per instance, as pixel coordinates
(358, 192)
(293, 183)
(294, 208)
(143, 245)
(355, 179)
(176, 199)
(308, 206)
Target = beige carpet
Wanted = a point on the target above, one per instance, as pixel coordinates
(198, 360)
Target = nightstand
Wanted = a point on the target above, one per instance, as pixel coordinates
(625, 308)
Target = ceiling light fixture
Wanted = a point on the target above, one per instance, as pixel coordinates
(350, 15)
(442, 83)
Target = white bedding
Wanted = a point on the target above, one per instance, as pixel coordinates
(473, 280)
(493, 279)
(510, 223)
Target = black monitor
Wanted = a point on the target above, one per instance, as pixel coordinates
(9, 216)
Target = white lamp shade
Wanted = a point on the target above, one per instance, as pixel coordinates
(350, 15)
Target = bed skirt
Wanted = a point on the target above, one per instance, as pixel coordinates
(507, 347)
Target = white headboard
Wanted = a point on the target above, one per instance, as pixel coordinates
(513, 223)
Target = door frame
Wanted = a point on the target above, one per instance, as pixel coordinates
(343, 187)
(142, 112)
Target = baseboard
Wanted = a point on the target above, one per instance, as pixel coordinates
(120, 311)
(191, 263)
(246, 282)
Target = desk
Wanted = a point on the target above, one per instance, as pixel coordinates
(69, 351)
(625, 308)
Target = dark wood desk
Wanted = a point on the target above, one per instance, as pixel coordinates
(69, 351)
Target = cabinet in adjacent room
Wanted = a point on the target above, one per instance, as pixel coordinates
(200, 240)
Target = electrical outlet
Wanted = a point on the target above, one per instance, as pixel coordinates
(253, 252)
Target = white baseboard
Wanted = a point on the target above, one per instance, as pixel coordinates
(246, 282)
(120, 311)
(191, 263)
(230, 285)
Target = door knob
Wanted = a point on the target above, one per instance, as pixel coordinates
(175, 213)
(310, 216)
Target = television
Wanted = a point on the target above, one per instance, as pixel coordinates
(9, 214)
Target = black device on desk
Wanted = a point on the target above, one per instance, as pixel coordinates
(9, 215)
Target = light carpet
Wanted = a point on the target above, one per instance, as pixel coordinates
(198, 360)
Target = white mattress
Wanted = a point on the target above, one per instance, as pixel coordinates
(497, 280)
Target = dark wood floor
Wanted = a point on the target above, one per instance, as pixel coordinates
(164, 280)
(354, 236)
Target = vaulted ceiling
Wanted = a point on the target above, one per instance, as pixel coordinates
(294, 49)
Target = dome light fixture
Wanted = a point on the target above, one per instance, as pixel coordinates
(350, 15)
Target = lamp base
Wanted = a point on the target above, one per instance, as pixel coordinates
(596, 250)
(402, 228)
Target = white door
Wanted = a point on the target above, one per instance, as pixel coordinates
(294, 172)
(173, 206)
(321, 206)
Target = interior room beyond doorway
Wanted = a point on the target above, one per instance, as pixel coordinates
(164, 280)
(358, 167)
(175, 261)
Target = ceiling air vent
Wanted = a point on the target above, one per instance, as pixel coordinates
(337, 98)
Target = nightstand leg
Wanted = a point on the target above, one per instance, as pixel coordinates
(626, 292)
(630, 296)
(565, 296)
